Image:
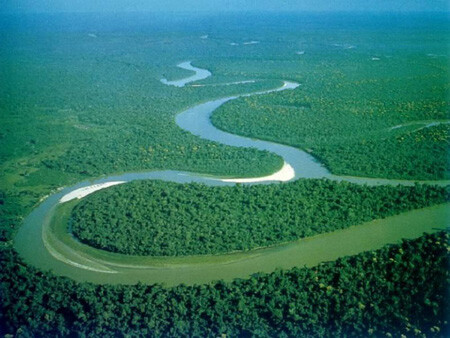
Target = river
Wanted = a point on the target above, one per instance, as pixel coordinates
(44, 242)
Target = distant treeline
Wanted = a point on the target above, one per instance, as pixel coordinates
(397, 290)
(169, 219)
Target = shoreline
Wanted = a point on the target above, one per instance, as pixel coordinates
(83, 192)
(286, 173)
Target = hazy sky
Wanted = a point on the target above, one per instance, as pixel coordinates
(219, 5)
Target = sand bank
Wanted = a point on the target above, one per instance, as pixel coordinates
(83, 192)
(286, 173)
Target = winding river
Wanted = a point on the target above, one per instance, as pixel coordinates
(44, 242)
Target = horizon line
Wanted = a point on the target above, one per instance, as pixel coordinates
(233, 11)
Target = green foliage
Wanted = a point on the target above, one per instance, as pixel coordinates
(344, 118)
(89, 107)
(92, 107)
(396, 290)
(168, 219)
(73, 106)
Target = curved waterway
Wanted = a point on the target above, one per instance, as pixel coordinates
(44, 242)
(200, 74)
(421, 125)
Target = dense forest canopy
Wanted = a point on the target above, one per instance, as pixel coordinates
(82, 98)
(398, 290)
(168, 219)
(376, 122)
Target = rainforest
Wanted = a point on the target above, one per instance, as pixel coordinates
(168, 219)
(242, 174)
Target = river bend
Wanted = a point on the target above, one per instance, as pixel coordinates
(44, 243)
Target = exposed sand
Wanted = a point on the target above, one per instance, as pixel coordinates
(83, 192)
(286, 173)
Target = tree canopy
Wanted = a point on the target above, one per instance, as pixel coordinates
(168, 219)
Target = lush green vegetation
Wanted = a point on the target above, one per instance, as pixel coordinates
(393, 291)
(93, 106)
(406, 153)
(168, 219)
(74, 105)
(347, 103)
(112, 122)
